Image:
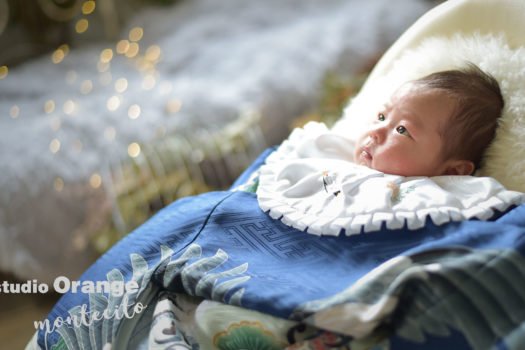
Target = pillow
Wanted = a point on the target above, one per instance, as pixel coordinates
(503, 159)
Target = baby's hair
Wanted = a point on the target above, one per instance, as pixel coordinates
(473, 123)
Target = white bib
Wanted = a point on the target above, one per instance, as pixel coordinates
(311, 183)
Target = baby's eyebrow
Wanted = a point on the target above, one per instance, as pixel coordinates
(384, 107)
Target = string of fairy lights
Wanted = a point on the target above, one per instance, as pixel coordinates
(144, 60)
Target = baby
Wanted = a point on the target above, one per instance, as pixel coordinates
(437, 125)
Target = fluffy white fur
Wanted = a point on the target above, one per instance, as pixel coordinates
(504, 159)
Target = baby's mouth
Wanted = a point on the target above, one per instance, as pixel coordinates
(365, 158)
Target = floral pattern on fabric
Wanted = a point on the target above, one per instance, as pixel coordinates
(247, 335)
(399, 193)
(165, 332)
(197, 280)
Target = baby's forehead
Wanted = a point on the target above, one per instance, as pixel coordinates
(413, 88)
(424, 103)
(410, 91)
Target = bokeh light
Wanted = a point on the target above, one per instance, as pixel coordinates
(133, 50)
(82, 26)
(134, 150)
(113, 103)
(121, 85)
(143, 64)
(69, 107)
(102, 66)
(122, 46)
(148, 82)
(173, 105)
(153, 53)
(3, 72)
(135, 34)
(86, 87)
(58, 184)
(54, 145)
(64, 48)
(88, 7)
(58, 56)
(106, 55)
(14, 112)
(95, 180)
(49, 106)
(134, 111)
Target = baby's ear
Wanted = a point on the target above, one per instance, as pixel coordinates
(458, 167)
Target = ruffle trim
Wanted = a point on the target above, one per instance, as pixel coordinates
(326, 223)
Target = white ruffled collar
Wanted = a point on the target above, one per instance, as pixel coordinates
(311, 183)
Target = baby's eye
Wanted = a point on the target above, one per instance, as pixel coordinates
(402, 130)
(381, 117)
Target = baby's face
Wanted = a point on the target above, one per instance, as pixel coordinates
(405, 137)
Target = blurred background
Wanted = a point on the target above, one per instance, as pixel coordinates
(112, 109)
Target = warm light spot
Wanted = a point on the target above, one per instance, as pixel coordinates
(69, 107)
(148, 82)
(134, 150)
(102, 66)
(54, 145)
(81, 26)
(143, 64)
(88, 7)
(110, 133)
(153, 53)
(122, 46)
(105, 78)
(57, 56)
(113, 103)
(14, 112)
(106, 55)
(58, 184)
(173, 106)
(49, 107)
(86, 87)
(134, 111)
(136, 34)
(77, 146)
(95, 180)
(55, 123)
(121, 85)
(133, 50)
(3, 72)
(71, 77)
(64, 48)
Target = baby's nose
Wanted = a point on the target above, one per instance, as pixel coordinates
(377, 133)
